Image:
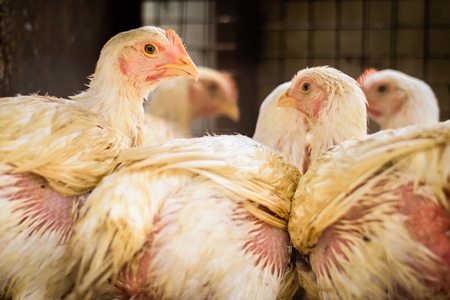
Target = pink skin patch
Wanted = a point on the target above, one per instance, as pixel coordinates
(429, 224)
(332, 242)
(157, 75)
(308, 103)
(134, 283)
(426, 222)
(314, 106)
(317, 102)
(372, 112)
(133, 279)
(137, 63)
(123, 66)
(269, 244)
(44, 208)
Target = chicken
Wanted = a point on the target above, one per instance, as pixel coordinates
(371, 216)
(54, 151)
(206, 219)
(313, 92)
(157, 130)
(317, 87)
(182, 101)
(396, 99)
(197, 218)
(283, 130)
(36, 132)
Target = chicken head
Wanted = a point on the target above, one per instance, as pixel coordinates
(214, 94)
(146, 57)
(323, 95)
(395, 99)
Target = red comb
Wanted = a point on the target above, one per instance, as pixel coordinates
(232, 83)
(364, 75)
(174, 39)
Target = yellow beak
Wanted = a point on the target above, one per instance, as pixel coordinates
(287, 101)
(183, 67)
(231, 110)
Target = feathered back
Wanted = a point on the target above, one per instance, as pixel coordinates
(73, 158)
(281, 129)
(319, 201)
(354, 190)
(257, 173)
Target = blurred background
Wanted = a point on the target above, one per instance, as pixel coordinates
(51, 46)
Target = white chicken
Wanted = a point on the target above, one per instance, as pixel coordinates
(199, 218)
(181, 101)
(53, 151)
(283, 130)
(157, 130)
(195, 218)
(371, 216)
(315, 90)
(396, 99)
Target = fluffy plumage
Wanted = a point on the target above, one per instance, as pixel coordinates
(157, 130)
(396, 99)
(50, 137)
(220, 201)
(54, 151)
(283, 130)
(372, 217)
(72, 143)
(188, 219)
(314, 93)
(288, 131)
(182, 101)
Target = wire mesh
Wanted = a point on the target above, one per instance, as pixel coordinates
(412, 36)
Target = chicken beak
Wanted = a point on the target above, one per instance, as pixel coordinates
(183, 67)
(231, 110)
(287, 101)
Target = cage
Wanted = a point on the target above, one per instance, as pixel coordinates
(263, 43)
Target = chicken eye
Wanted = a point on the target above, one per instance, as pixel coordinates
(306, 87)
(381, 88)
(212, 87)
(150, 49)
